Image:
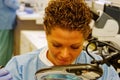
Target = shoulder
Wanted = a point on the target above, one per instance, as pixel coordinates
(24, 58)
(24, 65)
(27, 56)
(85, 58)
(109, 73)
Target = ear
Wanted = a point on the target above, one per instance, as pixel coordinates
(45, 28)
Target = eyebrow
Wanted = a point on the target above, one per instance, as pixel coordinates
(55, 42)
(79, 44)
(72, 44)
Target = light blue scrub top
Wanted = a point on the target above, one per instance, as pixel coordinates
(8, 13)
(23, 67)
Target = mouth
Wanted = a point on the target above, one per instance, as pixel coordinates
(63, 62)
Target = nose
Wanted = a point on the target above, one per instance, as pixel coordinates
(65, 53)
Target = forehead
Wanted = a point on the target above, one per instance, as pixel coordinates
(65, 36)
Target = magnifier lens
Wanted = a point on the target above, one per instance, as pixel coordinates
(57, 76)
(70, 72)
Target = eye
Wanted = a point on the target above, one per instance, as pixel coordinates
(57, 45)
(75, 47)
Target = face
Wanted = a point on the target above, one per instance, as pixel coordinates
(64, 46)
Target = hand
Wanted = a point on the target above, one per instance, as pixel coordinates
(5, 75)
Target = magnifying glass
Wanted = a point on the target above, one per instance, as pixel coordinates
(70, 72)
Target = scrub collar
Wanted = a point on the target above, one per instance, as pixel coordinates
(43, 57)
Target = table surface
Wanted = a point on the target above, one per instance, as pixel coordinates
(36, 39)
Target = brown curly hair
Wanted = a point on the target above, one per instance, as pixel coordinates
(69, 15)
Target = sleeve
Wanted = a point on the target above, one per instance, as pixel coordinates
(109, 73)
(13, 4)
(14, 69)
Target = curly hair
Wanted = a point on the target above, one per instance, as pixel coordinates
(69, 15)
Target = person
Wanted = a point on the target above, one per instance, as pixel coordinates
(7, 23)
(66, 24)
(4, 75)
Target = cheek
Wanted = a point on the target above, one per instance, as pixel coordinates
(53, 51)
(76, 53)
